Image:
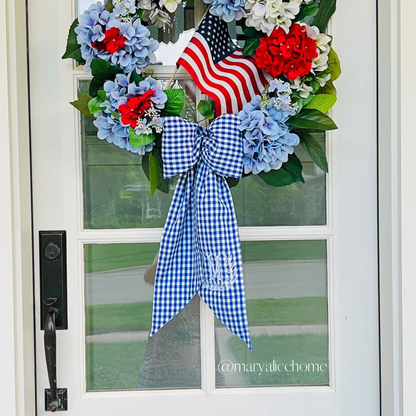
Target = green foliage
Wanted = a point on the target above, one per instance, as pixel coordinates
(135, 77)
(109, 6)
(328, 89)
(154, 173)
(322, 102)
(232, 182)
(164, 184)
(312, 119)
(205, 109)
(290, 172)
(307, 10)
(82, 104)
(175, 103)
(140, 140)
(94, 105)
(73, 50)
(102, 94)
(102, 71)
(314, 150)
(250, 46)
(326, 10)
(334, 65)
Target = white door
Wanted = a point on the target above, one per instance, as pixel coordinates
(310, 253)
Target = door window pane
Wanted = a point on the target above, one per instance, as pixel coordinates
(117, 192)
(286, 291)
(118, 310)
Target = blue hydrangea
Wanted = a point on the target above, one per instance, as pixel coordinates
(139, 48)
(266, 137)
(118, 92)
(227, 10)
(123, 8)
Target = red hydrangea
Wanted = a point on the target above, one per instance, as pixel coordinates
(112, 41)
(135, 108)
(289, 54)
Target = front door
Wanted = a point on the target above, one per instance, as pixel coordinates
(310, 254)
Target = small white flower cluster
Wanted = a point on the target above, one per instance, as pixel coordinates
(278, 95)
(155, 125)
(266, 15)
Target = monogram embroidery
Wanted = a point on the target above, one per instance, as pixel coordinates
(220, 272)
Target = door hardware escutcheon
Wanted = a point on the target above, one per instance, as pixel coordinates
(54, 313)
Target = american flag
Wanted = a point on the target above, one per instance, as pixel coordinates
(219, 68)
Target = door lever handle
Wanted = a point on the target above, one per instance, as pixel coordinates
(50, 355)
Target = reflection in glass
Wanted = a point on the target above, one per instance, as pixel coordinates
(118, 309)
(117, 192)
(286, 290)
(115, 188)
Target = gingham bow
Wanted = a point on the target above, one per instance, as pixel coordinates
(200, 250)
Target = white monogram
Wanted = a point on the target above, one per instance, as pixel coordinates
(221, 272)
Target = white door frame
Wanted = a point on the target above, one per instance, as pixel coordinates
(397, 222)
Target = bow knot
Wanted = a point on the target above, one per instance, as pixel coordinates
(200, 251)
(219, 145)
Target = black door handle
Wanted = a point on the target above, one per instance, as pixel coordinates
(54, 308)
(50, 355)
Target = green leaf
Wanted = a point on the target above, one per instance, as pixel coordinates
(140, 140)
(154, 173)
(115, 115)
(314, 150)
(326, 10)
(109, 6)
(328, 89)
(312, 119)
(102, 71)
(82, 104)
(307, 10)
(252, 33)
(102, 94)
(175, 103)
(135, 77)
(334, 65)
(71, 42)
(164, 184)
(322, 102)
(232, 182)
(205, 109)
(290, 172)
(73, 49)
(94, 105)
(250, 46)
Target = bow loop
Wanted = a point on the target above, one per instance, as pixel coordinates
(220, 146)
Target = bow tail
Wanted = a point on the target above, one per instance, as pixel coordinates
(177, 274)
(222, 282)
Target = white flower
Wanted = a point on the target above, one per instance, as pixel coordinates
(323, 79)
(145, 5)
(170, 5)
(303, 89)
(266, 15)
(320, 63)
(159, 18)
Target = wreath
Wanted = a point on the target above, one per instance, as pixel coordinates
(288, 42)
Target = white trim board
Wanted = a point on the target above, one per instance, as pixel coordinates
(397, 207)
(17, 366)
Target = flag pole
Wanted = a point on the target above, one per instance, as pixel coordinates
(177, 67)
(171, 78)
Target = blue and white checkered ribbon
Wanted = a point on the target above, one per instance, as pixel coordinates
(200, 250)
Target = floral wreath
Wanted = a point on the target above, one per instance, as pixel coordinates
(288, 42)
